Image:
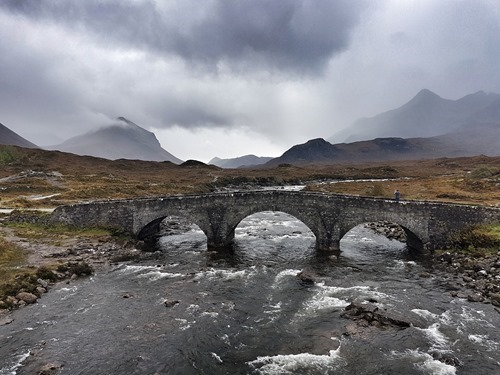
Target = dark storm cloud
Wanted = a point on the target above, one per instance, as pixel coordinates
(191, 115)
(295, 36)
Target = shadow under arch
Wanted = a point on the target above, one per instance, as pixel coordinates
(166, 226)
(384, 232)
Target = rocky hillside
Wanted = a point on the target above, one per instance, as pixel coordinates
(121, 140)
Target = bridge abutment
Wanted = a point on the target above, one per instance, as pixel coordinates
(220, 243)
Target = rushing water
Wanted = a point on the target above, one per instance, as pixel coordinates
(248, 313)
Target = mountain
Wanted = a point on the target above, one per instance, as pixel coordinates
(121, 140)
(8, 137)
(426, 115)
(482, 139)
(242, 161)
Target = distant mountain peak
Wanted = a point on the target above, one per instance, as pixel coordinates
(123, 139)
(317, 142)
(425, 115)
(8, 137)
(426, 92)
(127, 121)
(424, 97)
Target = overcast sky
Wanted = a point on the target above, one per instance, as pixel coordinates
(227, 78)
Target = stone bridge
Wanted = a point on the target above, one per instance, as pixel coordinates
(427, 225)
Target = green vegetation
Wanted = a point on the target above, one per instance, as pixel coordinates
(27, 278)
(484, 171)
(12, 259)
(57, 232)
(16, 274)
(8, 155)
(479, 240)
(11, 256)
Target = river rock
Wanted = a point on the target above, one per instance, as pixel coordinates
(172, 303)
(475, 297)
(27, 297)
(390, 230)
(5, 319)
(49, 369)
(43, 283)
(495, 297)
(305, 277)
(369, 314)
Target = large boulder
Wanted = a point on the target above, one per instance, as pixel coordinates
(27, 297)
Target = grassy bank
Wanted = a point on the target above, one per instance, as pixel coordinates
(22, 270)
(478, 241)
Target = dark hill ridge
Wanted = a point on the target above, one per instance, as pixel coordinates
(121, 140)
(239, 162)
(8, 137)
(480, 140)
(426, 115)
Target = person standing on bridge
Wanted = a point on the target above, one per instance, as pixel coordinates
(397, 195)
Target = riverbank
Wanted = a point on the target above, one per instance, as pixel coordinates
(45, 256)
(470, 274)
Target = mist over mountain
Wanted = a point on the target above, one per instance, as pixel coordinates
(121, 140)
(242, 161)
(426, 115)
(8, 137)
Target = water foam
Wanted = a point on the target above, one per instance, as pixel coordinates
(425, 363)
(438, 339)
(18, 362)
(485, 341)
(283, 275)
(224, 275)
(157, 275)
(216, 357)
(296, 363)
(184, 323)
(426, 314)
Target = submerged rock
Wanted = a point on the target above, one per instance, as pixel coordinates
(5, 319)
(368, 314)
(305, 277)
(172, 303)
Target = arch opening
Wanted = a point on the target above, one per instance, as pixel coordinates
(168, 233)
(380, 240)
(273, 235)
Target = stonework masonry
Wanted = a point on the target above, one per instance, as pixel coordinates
(428, 225)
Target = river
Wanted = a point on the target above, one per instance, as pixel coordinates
(248, 313)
